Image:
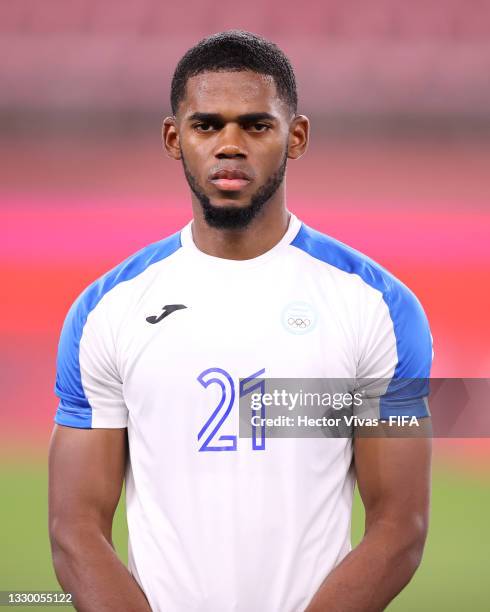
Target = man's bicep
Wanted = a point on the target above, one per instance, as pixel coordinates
(86, 473)
(393, 475)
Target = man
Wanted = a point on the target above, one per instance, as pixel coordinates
(153, 358)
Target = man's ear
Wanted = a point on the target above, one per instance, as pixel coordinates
(170, 138)
(299, 133)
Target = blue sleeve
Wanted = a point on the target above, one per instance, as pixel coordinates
(406, 394)
(74, 409)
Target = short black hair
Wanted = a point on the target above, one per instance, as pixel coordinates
(235, 50)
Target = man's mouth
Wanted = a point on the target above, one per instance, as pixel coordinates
(230, 179)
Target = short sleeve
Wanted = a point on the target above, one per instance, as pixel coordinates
(396, 357)
(87, 381)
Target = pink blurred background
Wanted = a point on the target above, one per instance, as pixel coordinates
(398, 167)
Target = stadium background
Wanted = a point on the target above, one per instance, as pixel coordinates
(398, 167)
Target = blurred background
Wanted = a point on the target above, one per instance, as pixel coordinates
(398, 94)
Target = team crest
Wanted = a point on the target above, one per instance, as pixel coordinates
(299, 318)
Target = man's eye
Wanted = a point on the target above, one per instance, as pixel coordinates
(260, 127)
(203, 127)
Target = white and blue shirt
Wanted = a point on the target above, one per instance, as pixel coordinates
(159, 345)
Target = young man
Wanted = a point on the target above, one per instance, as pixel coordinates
(149, 367)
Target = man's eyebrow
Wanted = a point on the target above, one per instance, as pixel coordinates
(217, 118)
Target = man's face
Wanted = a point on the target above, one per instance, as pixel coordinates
(232, 131)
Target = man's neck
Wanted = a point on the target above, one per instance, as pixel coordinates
(261, 235)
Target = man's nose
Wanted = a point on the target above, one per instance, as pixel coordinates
(230, 142)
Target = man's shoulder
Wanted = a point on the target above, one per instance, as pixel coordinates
(129, 269)
(410, 324)
(349, 260)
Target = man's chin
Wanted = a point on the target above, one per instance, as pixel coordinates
(228, 202)
(229, 211)
(226, 215)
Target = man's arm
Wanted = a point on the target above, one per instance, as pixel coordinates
(86, 472)
(393, 476)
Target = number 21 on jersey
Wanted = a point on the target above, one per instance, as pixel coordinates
(209, 437)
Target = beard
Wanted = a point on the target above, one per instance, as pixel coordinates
(236, 217)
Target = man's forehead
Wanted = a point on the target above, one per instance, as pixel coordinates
(240, 92)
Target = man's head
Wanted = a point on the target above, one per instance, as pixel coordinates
(234, 101)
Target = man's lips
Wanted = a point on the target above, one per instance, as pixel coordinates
(230, 184)
(230, 179)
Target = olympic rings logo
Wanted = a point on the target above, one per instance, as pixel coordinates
(299, 323)
(299, 317)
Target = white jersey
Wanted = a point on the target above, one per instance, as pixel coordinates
(159, 344)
